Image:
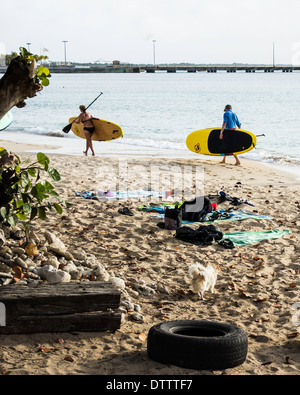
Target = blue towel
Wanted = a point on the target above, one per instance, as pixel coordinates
(140, 193)
(236, 215)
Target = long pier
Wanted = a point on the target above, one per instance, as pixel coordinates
(228, 69)
(168, 69)
(173, 69)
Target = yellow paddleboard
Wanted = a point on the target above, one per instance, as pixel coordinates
(207, 142)
(104, 130)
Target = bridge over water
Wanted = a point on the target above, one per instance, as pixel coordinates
(228, 69)
(167, 68)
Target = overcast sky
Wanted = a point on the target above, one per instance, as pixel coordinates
(195, 31)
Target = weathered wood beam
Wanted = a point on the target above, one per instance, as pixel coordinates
(86, 306)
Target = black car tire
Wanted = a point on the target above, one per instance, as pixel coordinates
(199, 345)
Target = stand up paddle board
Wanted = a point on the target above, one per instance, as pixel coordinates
(6, 120)
(104, 130)
(207, 142)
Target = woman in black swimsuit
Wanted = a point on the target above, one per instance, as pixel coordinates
(89, 129)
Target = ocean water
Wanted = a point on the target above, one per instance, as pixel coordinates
(158, 111)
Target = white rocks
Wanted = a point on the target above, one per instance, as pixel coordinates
(75, 275)
(4, 250)
(60, 251)
(86, 272)
(128, 305)
(5, 275)
(132, 309)
(143, 289)
(70, 267)
(18, 250)
(4, 268)
(162, 289)
(79, 255)
(2, 238)
(51, 238)
(20, 262)
(100, 273)
(43, 271)
(57, 263)
(137, 317)
(90, 261)
(57, 246)
(34, 237)
(51, 275)
(57, 277)
(117, 282)
(51, 260)
(137, 308)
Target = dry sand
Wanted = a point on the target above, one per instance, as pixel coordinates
(256, 289)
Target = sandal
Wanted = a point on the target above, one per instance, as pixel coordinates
(125, 211)
(226, 243)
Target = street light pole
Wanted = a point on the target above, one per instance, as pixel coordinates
(28, 45)
(154, 42)
(65, 45)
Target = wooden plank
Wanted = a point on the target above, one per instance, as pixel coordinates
(69, 298)
(44, 289)
(62, 307)
(85, 322)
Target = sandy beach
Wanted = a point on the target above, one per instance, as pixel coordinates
(256, 289)
(20, 148)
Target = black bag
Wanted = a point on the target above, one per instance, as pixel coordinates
(173, 218)
(196, 210)
(204, 235)
(185, 233)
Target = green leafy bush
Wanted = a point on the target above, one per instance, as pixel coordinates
(43, 73)
(24, 195)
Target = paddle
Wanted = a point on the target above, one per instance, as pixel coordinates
(67, 128)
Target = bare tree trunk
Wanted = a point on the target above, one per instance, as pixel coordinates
(18, 84)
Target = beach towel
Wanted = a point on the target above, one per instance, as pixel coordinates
(140, 193)
(222, 197)
(242, 238)
(236, 215)
(93, 194)
(208, 234)
(222, 215)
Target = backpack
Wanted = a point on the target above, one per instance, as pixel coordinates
(196, 210)
(173, 218)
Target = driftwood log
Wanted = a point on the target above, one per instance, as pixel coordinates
(69, 307)
(18, 84)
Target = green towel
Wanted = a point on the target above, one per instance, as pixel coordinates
(243, 238)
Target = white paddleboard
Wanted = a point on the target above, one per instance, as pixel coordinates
(6, 120)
